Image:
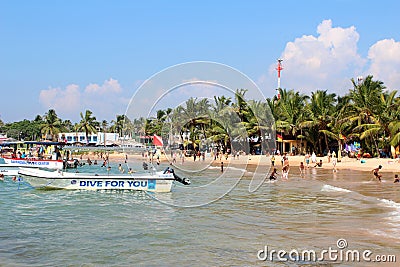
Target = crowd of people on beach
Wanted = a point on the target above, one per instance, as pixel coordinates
(310, 161)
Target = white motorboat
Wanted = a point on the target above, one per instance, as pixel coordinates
(151, 181)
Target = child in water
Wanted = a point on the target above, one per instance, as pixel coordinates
(301, 168)
(273, 175)
(376, 173)
(285, 172)
(396, 178)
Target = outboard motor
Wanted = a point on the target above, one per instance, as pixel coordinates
(184, 181)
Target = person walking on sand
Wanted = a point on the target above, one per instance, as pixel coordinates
(313, 158)
(273, 160)
(376, 173)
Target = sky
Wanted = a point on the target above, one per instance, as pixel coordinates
(77, 55)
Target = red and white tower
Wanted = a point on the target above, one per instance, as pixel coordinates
(279, 68)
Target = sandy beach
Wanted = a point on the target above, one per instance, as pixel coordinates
(252, 161)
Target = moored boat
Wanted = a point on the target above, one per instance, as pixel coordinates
(153, 182)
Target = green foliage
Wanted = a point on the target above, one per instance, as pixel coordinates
(367, 114)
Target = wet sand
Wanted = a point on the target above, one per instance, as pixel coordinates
(251, 162)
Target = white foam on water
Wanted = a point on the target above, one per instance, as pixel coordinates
(390, 203)
(331, 188)
(394, 216)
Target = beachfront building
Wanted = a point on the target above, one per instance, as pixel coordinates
(94, 139)
(287, 144)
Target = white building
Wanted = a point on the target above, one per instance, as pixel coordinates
(94, 139)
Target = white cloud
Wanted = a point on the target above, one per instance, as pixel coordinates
(105, 101)
(63, 101)
(109, 86)
(385, 62)
(327, 61)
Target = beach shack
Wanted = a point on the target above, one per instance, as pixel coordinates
(287, 144)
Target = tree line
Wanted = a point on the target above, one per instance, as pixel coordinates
(50, 125)
(368, 114)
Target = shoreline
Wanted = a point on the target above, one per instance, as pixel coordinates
(252, 161)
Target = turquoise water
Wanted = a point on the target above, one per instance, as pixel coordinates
(85, 228)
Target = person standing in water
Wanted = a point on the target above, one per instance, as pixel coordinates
(307, 159)
(285, 172)
(376, 173)
(301, 168)
(334, 163)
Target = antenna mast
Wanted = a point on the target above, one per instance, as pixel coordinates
(279, 68)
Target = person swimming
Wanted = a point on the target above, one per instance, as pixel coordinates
(318, 164)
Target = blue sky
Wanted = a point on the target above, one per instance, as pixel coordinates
(78, 55)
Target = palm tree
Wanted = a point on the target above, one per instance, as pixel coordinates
(51, 125)
(192, 118)
(67, 126)
(104, 125)
(291, 107)
(366, 104)
(383, 123)
(339, 127)
(321, 110)
(118, 124)
(88, 123)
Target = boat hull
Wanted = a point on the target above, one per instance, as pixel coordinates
(61, 180)
(8, 172)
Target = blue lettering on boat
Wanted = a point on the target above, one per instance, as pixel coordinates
(114, 184)
(23, 162)
(91, 183)
(137, 183)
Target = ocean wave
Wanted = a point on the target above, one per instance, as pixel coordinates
(331, 188)
(390, 203)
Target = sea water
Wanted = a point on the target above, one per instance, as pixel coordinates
(199, 225)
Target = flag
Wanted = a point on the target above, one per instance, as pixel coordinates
(157, 140)
(279, 138)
